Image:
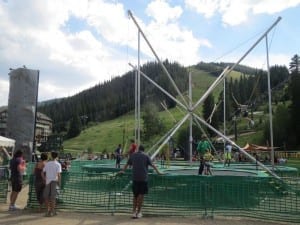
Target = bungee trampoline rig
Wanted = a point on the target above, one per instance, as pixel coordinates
(244, 190)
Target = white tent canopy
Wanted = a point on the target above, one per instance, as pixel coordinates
(7, 142)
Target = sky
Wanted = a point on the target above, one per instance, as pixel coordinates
(77, 44)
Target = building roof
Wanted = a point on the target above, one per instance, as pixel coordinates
(6, 142)
(39, 114)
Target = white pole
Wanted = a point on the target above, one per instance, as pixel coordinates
(211, 88)
(270, 105)
(171, 135)
(224, 109)
(135, 104)
(227, 71)
(254, 45)
(234, 144)
(157, 58)
(191, 118)
(139, 92)
(160, 88)
(163, 138)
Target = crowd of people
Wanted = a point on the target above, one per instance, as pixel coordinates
(47, 180)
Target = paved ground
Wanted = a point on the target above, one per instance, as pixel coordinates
(22, 218)
(29, 217)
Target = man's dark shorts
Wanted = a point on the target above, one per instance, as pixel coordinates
(139, 188)
(16, 184)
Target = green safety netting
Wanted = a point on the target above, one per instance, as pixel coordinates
(3, 183)
(91, 186)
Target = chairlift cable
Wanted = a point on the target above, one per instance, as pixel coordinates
(237, 46)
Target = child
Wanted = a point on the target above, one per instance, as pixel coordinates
(208, 157)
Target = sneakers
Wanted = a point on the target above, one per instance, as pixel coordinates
(134, 216)
(48, 214)
(51, 213)
(137, 215)
(13, 208)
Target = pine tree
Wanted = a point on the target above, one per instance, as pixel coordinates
(152, 125)
(295, 97)
(208, 107)
(75, 127)
(295, 64)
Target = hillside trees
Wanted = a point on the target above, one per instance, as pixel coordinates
(295, 64)
(152, 124)
(209, 114)
(114, 98)
(75, 127)
(283, 121)
(295, 98)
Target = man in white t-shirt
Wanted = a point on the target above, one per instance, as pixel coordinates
(51, 174)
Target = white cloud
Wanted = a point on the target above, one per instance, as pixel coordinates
(4, 92)
(236, 12)
(34, 35)
(175, 43)
(206, 7)
(110, 20)
(259, 60)
(162, 13)
(167, 37)
(273, 6)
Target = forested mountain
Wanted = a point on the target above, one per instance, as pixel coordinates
(216, 68)
(249, 89)
(113, 98)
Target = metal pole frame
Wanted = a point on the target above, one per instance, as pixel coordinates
(139, 92)
(191, 119)
(190, 109)
(157, 58)
(234, 144)
(270, 105)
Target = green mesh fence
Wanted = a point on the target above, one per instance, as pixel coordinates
(3, 183)
(96, 188)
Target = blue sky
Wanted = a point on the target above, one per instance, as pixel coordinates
(77, 44)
